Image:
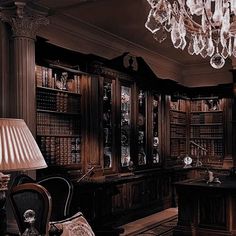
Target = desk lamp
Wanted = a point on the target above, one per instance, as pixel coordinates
(18, 152)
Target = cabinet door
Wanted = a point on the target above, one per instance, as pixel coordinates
(117, 123)
(108, 122)
(120, 199)
(125, 124)
(136, 192)
(155, 131)
(152, 189)
(142, 128)
(159, 191)
(148, 145)
(166, 190)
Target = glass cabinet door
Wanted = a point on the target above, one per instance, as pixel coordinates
(141, 124)
(125, 125)
(107, 124)
(135, 140)
(155, 129)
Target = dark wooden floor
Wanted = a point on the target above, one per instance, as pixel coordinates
(136, 227)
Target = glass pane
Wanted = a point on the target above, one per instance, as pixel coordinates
(125, 125)
(142, 157)
(107, 124)
(155, 143)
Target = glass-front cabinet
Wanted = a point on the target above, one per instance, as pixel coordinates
(148, 104)
(116, 123)
(130, 124)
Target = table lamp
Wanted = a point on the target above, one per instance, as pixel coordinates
(18, 152)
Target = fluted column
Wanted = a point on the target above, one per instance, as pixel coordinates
(24, 19)
(24, 22)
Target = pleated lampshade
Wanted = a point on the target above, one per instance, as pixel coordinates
(18, 148)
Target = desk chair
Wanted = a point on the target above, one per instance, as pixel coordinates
(61, 191)
(35, 197)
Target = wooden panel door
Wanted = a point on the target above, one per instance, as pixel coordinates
(136, 193)
(120, 199)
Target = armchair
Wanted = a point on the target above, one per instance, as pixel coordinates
(35, 197)
(61, 191)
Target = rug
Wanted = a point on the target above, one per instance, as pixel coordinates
(163, 229)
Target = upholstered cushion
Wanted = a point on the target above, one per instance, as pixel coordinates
(74, 226)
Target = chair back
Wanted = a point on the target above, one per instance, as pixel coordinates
(61, 191)
(21, 179)
(35, 197)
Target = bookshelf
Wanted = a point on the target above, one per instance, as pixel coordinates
(178, 129)
(58, 106)
(207, 130)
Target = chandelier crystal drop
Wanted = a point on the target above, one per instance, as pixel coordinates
(204, 27)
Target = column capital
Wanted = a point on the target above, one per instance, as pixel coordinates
(24, 18)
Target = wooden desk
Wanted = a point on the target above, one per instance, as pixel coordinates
(206, 209)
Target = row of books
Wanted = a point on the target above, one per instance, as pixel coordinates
(179, 105)
(57, 101)
(176, 117)
(60, 151)
(206, 131)
(213, 148)
(48, 124)
(176, 131)
(203, 118)
(206, 105)
(177, 147)
(197, 105)
(47, 77)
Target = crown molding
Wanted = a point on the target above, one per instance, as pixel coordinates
(86, 38)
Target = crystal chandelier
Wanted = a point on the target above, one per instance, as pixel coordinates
(205, 27)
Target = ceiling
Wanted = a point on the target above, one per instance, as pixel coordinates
(123, 18)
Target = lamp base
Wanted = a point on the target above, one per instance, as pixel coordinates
(3, 221)
(4, 179)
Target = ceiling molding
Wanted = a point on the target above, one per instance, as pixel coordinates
(85, 38)
(107, 36)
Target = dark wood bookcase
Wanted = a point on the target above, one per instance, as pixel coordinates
(178, 129)
(58, 103)
(197, 129)
(207, 130)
